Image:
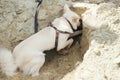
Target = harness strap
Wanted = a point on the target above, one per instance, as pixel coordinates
(69, 23)
(56, 40)
(65, 32)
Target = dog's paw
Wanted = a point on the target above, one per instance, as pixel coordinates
(35, 74)
(64, 52)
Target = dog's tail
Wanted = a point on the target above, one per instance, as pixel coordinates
(7, 63)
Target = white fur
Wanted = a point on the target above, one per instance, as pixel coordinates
(6, 62)
(29, 56)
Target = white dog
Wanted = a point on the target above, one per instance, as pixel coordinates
(28, 56)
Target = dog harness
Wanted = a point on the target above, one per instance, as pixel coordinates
(75, 32)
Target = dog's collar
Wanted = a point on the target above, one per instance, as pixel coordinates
(65, 32)
(70, 24)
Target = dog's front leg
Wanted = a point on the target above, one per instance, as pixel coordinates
(66, 43)
(69, 43)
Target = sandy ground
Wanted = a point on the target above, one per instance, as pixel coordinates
(56, 65)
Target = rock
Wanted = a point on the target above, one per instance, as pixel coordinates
(102, 60)
(16, 20)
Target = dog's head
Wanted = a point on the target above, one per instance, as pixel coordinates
(72, 17)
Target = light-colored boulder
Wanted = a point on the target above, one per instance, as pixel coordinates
(16, 20)
(102, 60)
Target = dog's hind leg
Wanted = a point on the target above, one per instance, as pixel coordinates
(33, 66)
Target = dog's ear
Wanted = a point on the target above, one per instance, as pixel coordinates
(66, 8)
